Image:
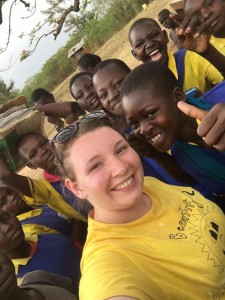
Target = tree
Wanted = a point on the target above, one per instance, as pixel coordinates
(55, 17)
(7, 91)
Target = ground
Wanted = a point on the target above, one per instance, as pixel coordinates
(116, 47)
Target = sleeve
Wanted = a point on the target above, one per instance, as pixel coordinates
(213, 76)
(40, 194)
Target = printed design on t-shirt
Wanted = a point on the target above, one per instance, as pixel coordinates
(205, 223)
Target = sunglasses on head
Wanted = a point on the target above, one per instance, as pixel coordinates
(70, 131)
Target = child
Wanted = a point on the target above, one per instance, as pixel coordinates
(165, 20)
(53, 253)
(35, 149)
(83, 91)
(36, 220)
(213, 16)
(150, 95)
(149, 43)
(50, 286)
(146, 239)
(107, 78)
(87, 62)
(45, 102)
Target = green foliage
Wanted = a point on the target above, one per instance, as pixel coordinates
(97, 25)
(7, 92)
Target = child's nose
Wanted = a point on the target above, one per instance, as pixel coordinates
(145, 127)
(112, 94)
(148, 42)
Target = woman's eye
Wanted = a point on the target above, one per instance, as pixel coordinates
(122, 149)
(95, 166)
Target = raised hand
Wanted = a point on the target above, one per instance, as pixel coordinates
(192, 34)
(212, 126)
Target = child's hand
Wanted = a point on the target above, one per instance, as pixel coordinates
(212, 127)
(191, 33)
(141, 146)
(7, 277)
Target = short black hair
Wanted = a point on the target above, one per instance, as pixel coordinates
(113, 61)
(140, 21)
(88, 60)
(151, 74)
(164, 13)
(75, 77)
(39, 93)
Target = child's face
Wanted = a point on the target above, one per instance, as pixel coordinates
(149, 43)
(212, 12)
(11, 232)
(11, 201)
(166, 22)
(153, 116)
(37, 151)
(107, 83)
(85, 94)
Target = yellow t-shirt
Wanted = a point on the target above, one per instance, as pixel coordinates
(175, 251)
(198, 72)
(43, 193)
(219, 44)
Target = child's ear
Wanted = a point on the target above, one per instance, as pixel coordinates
(75, 189)
(179, 94)
(29, 165)
(134, 54)
(165, 36)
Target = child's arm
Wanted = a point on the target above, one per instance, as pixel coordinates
(211, 128)
(17, 182)
(60, 110)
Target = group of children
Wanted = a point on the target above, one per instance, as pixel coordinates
(140, 155)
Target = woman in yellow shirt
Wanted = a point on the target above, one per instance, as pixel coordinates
(146, 239)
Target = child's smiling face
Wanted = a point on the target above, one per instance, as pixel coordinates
(149, 43)
(154, 116)
(212, 12)
(107, 83)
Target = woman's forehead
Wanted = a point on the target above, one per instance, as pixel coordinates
(95, 140)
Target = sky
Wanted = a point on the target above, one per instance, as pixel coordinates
(19, 72)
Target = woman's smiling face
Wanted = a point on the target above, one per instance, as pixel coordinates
(108, 171)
